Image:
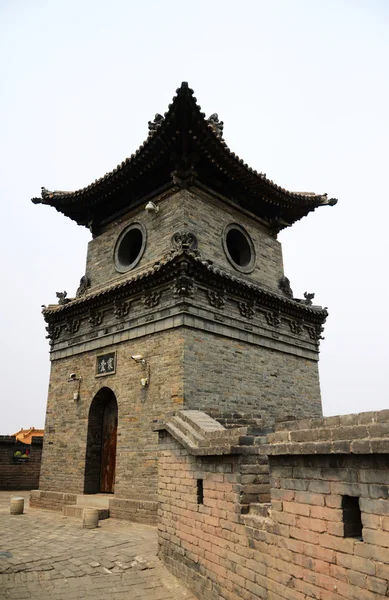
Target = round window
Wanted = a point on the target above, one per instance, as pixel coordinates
(239, 248)
(130, 247)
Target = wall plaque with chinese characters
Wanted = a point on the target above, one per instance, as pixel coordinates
(106, 364)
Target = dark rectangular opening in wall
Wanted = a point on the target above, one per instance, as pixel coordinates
(351, 517)
(200, 492)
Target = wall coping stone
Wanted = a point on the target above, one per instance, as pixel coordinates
(361, 433)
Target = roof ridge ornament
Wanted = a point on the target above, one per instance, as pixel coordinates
(47, 194)
(216, 125)
(308, 298)
(83, 286)
(284, 285)
(62, 297)
(156, 124)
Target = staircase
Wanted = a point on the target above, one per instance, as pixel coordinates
(99, 501)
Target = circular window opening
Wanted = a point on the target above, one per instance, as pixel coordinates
(239, 248)
(130, 247)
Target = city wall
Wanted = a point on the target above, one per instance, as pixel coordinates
(324, 534)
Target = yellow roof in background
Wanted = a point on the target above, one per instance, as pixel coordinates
(26, 435)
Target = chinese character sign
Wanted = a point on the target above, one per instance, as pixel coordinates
(106, 364)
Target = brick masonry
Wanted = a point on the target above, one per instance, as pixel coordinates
(198, 212)
(191, 342)
(63, 465)
(237, 375)
(296, 547)
(19, 474)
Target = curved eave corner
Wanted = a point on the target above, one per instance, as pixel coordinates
(183, 110)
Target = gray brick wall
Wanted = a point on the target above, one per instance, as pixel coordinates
(205, 217)
(67, 421)
(233, 375)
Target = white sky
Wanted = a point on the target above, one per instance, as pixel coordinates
(303, 90)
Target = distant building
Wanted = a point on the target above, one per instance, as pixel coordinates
(25, 435)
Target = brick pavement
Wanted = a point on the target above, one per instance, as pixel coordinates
(48, 556)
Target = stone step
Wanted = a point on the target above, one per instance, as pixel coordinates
(178, 434)
(93, 500)
(187, 430)
(72, 510)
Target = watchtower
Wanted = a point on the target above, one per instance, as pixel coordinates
(184, 304)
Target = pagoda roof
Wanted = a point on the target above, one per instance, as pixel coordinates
(183, 149)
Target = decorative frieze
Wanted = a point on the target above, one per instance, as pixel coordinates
(73, 326)
(96, 318)
(247, 309)
(152, 299)
(121, 309)
(273, 318)
(216, 299)
(53, 332)
(296, 327)
(315, 333)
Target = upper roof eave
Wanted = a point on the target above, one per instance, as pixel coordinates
(181, 112)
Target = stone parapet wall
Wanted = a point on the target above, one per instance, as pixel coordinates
(19, 474)
(362, 433)
(298, 547)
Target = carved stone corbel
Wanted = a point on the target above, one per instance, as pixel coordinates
(184, 179)
(184, 287)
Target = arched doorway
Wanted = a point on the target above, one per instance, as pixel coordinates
(101, 443)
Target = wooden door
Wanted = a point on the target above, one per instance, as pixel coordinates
(108, 449)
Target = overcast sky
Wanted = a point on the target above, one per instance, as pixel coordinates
(303, 90)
